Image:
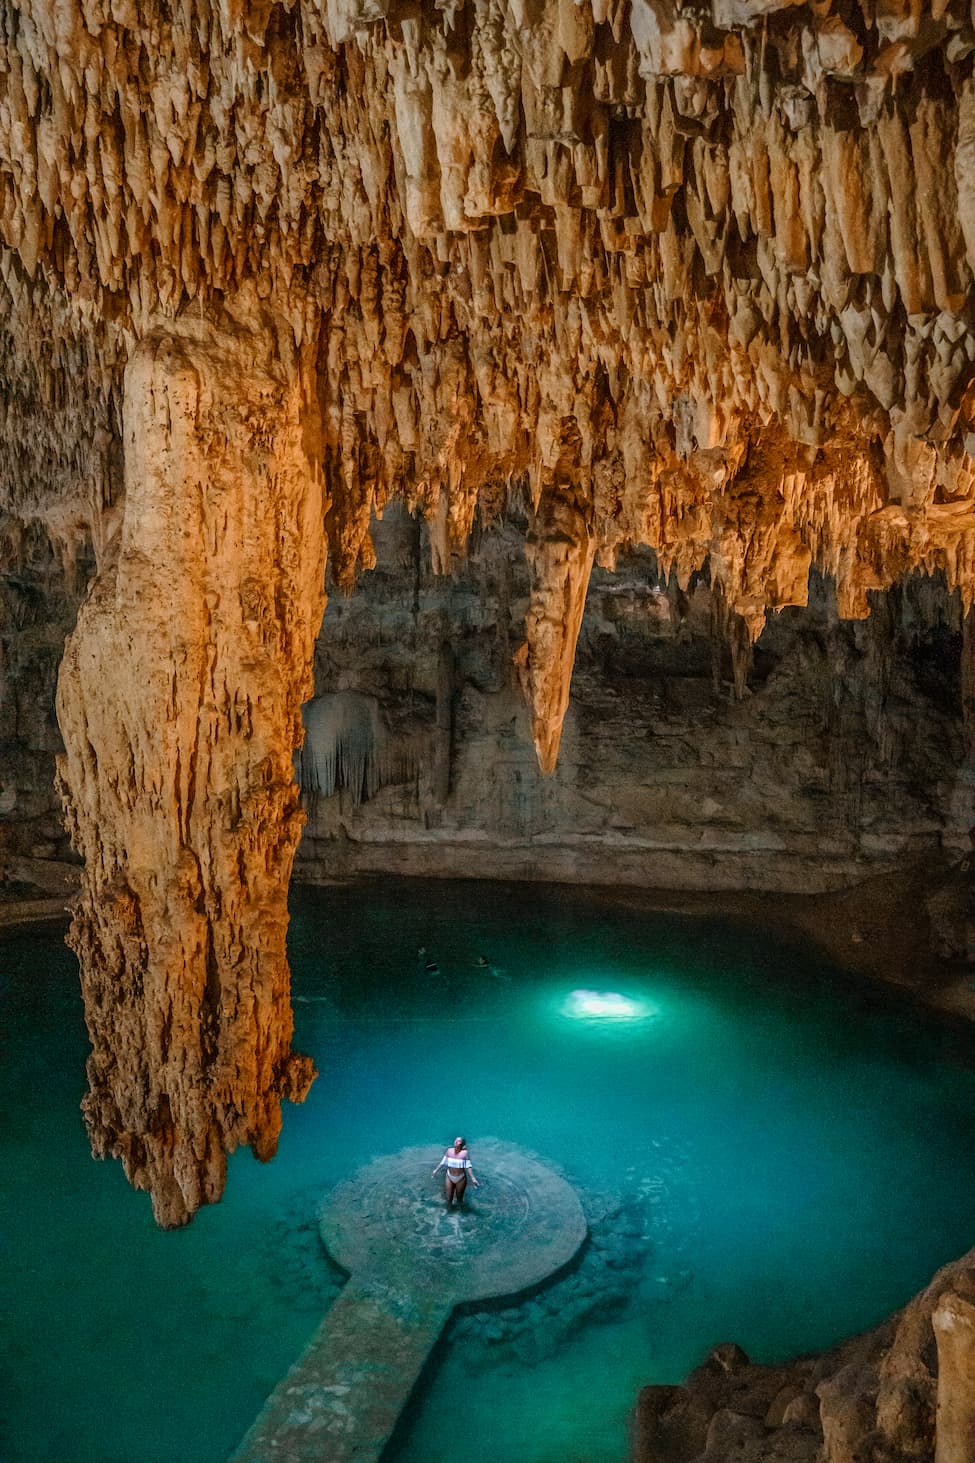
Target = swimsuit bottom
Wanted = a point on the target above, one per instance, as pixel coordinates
(457, 1175)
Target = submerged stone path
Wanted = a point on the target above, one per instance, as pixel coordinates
(411, 1262)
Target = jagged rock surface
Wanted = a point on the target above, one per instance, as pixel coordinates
(178, 699)
(700, 277)
(879, 1398)
(844, 755)
(709, 269)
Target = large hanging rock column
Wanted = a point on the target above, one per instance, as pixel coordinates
(179, 701)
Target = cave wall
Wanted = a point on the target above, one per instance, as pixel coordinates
(900, 1393)
(39, 597)
(693, 279)
(841, 752)
(845, 755)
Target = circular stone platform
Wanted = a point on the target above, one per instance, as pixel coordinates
(520, 1227)
(411, 1261)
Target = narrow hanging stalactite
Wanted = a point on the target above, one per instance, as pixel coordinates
(731, 632)
(561, 549)
(179, 701)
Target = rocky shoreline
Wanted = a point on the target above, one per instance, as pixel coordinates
(872, 1399)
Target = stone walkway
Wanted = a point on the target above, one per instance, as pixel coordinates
(411, 1262)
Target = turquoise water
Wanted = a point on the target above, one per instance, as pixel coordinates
(769, 1153)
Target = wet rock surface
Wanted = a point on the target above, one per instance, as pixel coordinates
(878, 1398)
(296, 1259)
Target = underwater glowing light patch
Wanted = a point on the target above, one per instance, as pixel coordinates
(610, 1004)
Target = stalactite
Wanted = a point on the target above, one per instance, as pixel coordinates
(730, 631)
(344, 746)
(561, 551)
(678, 262)
(178, 700)
(347, 746)
(692, 278)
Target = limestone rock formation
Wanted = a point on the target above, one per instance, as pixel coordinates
(693, 277)
(842, 758)
(706, 273)
(178, 700)
(561, 550)
(38, 606)
(898, 1394)
(954, 1328)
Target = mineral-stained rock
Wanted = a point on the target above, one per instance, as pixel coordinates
(954, 1327)
(698, 277)
(847, 1411)
(561, 550)
(708, 270)
(869, 1400)
(178, 699)
(843, 759)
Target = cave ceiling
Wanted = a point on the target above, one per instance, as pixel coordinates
(703, 272)
(695, 277)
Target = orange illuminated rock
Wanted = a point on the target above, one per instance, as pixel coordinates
(561, 549)
(179, 702)
(698, 278)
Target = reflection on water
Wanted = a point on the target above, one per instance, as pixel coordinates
(764, 1153)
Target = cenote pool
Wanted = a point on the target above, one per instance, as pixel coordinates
(767, 1152)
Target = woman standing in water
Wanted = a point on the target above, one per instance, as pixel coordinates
(458, 1164)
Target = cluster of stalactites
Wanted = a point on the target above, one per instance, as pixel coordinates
(347, 745)
(702, 278)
